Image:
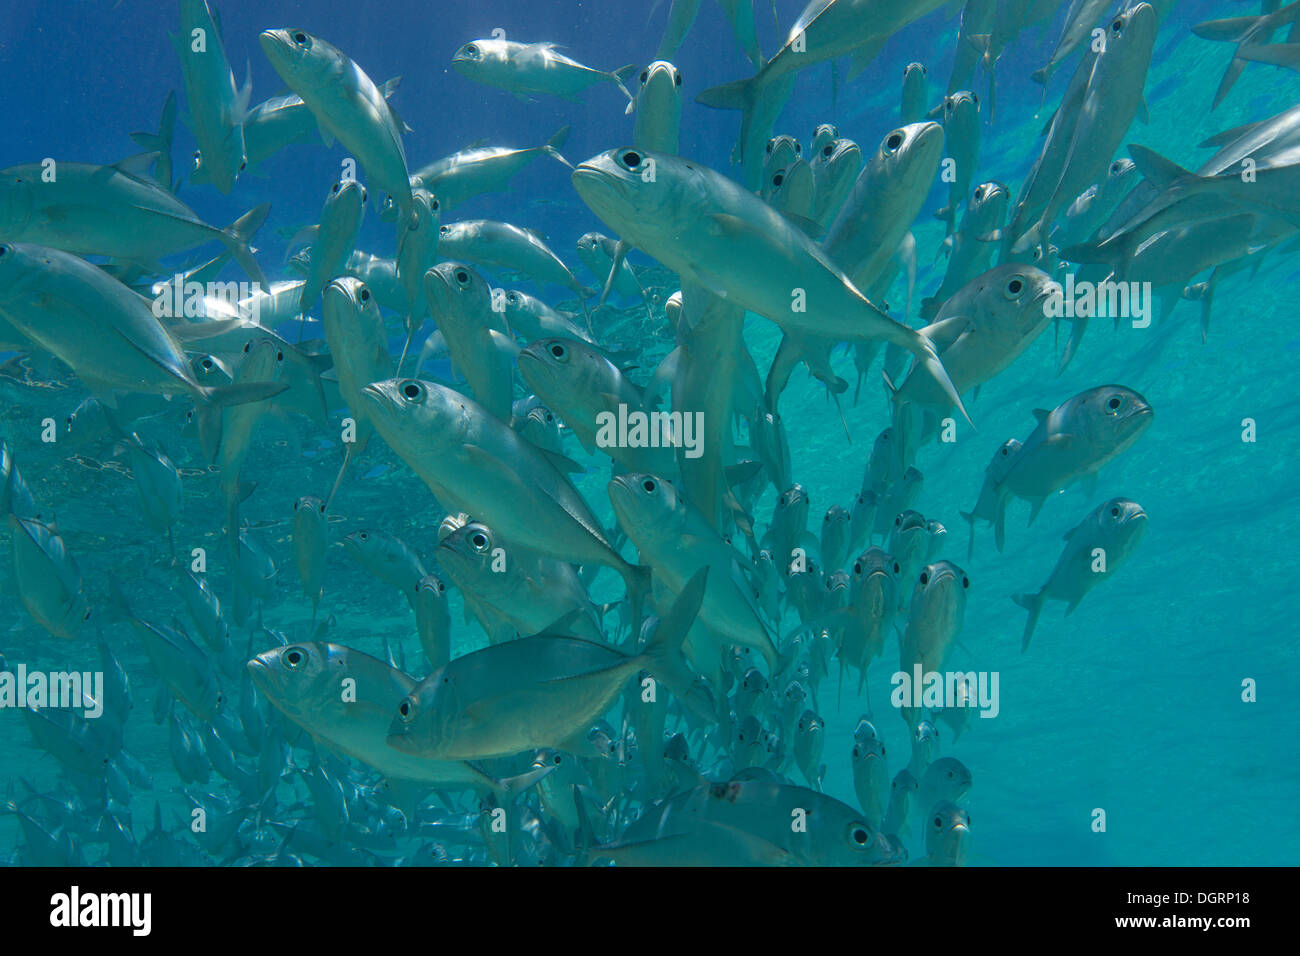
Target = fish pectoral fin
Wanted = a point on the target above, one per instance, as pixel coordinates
(326, 136)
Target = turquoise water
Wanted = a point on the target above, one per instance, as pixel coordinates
(1133, 704)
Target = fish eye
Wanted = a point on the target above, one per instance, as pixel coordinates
(1117, 26)
(556, 760)
(247, 346)
(413, 391)
(322, 508)
(965, 581)
(198, 156)
(975, 99)
(778, 179)
(938, 823)
(1006, 451)
(364, 536)
(925, 578)
(471, 49)
(300, 38)
(434, 205)
(364, 195)
(512, 296)
(860, 835)
(462, 276)
(243, 166)
(294, 656)
(479, 541)
(894, 141)
(898, 521)
(405, 709)
(1114, 403)
(649, 485)
(979, 192)
(444, 230)
(206, 363)
(364, 294)
(86, 616)
(1115, 168)
(559, 351)
(948, 104)
(798, 149)
(1014, 286)
(897, 569)
(645, 75)
(827, 150)
(677, 78)
(631, 159)
(279, 356)
(1114, 512)
(769, 144)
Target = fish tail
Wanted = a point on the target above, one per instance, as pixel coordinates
(970, 520)
(237, 235)
(1033, 603)
(736, 95)
(663, 655)
(926, 355)
(621, 74)
(556, 143)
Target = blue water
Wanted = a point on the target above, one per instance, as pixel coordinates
(1133, 704)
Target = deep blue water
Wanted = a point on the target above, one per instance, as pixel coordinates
(1132, 704)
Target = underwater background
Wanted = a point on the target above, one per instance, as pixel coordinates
(1132, 704)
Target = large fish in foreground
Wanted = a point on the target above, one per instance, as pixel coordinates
(718, 235)
(535, 692)
(113, 211)
(305, 683)
(348, 106)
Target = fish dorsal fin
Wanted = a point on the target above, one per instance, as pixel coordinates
(137, 165)
(1040, 415)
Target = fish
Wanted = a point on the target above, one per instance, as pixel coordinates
(1094, 549)
(697, 222)
(961, 136)
(529, 591)
(310, 539)
(677, 541)
(106, 333)
(1073, 442)
(347, 104)
(527, 69)
(477, 170)
(535, 691)
(915, 93)
(501, 245)
(333, 239)
(947, 835)
(217, 107)
(658, 108)
(475, 332)
(304, 682)
(49, 582)
(826, 29)
(114, 210)
(474, 462)
(937, 609)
